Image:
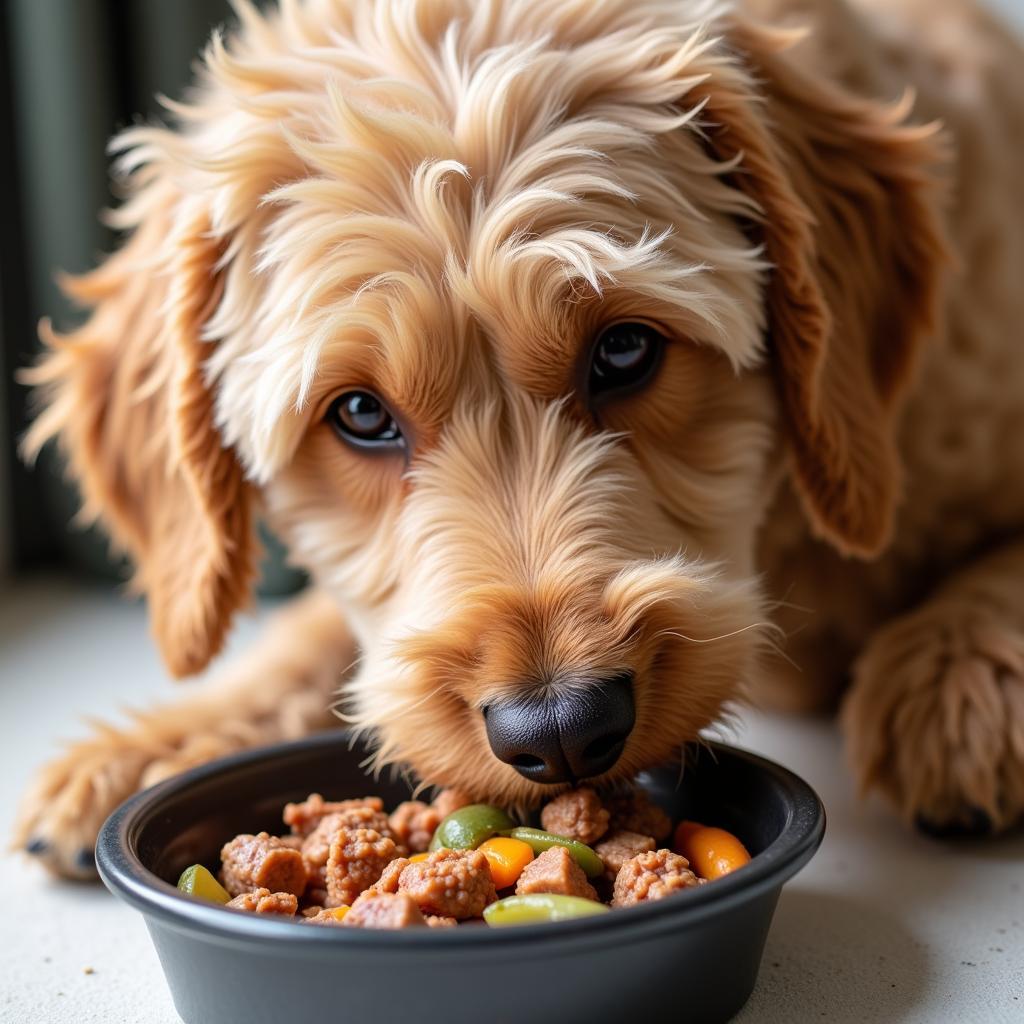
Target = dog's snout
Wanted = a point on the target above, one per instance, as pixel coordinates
(564, 736)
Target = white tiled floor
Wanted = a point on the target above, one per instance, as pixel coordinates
(883, 926)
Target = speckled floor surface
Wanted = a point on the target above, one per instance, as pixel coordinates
(883, 926)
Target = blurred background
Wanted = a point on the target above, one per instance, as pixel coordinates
(72, 72)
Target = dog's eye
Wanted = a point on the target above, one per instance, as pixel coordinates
(624, 357)
(362, 419)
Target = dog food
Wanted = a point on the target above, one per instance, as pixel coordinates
(554, 871)
(712, 852)
(348, 863)
(262, 862)
(578, 814)
(263, 901)
(618, 847)
(652, 876)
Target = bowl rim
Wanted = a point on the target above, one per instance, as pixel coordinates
(127, 877)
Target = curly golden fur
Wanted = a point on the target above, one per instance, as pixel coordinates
(443, 201)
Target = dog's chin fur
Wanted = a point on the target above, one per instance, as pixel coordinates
(444, 201)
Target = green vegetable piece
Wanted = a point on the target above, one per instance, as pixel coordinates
(541, 841)
(468, 827)
(540, 906)
(197, 881)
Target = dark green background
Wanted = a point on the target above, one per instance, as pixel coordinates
(72, 72)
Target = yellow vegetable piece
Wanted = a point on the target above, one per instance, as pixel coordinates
(417, 857)
(506, 859)
(197, 881)
(712, 852)
(339, 912)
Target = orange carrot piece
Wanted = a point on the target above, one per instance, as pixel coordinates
(506, 859)
(712, 852)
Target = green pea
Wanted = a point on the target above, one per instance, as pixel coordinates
(541, 841)
(197, 881)
(540, 906)
(468, 827)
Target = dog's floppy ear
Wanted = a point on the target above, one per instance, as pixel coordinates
(125, 394)
(849, 197)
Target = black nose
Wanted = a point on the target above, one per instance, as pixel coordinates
(565, 735)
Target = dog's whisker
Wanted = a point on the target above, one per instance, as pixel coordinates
(783, 602)
(682, 765)
(721, 636)
(419, 788)
(775, 646)
(772, 605)
(335, 707)
(404, 708)
(351, 665)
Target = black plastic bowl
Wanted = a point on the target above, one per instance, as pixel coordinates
(693, 957)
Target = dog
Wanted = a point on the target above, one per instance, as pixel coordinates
(606, 363)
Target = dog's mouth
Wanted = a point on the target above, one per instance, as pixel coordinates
(511, 697)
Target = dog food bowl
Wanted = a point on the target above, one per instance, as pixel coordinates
(690, 958)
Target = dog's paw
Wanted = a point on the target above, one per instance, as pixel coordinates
(935, 719)
(71, 797)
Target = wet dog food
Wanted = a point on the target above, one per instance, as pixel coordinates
(348, 863)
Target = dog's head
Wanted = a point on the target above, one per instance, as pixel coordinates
(510, 317)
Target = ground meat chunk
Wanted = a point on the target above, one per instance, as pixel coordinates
(318, 843)
(292, 842)
(577, 814)
(634, 812)
(450, 883)
(263, 901)
(384, 910)
(261, 862)
(324, 915)
(652, 876)
(356, 859)
(312, 910)
(303, 817)
(618, 847)
(450, 800)
(388, 881)
(434, 921)
(414, 824)
(555, 871)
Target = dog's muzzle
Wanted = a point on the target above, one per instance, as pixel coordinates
(563, 737)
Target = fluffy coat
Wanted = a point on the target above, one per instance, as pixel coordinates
(444, 201)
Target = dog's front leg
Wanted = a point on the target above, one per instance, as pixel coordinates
(280, 689)
(935, 716)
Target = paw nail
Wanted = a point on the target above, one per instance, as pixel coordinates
(36, 846)
(85, 860)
